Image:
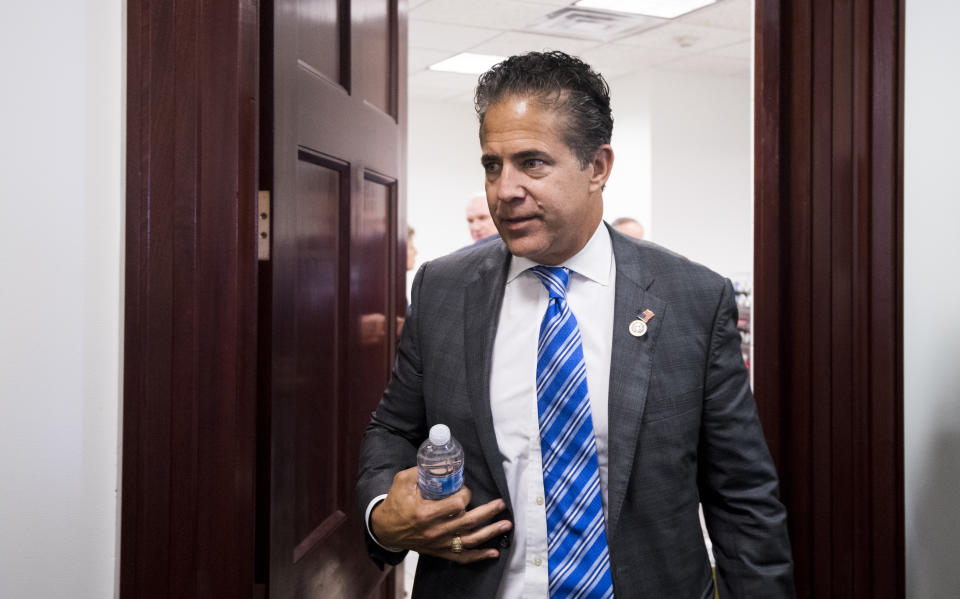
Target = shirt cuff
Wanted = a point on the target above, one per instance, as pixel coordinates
(373, 503)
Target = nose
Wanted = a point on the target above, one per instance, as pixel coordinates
(510, 184)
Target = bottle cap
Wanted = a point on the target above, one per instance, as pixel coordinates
(439, 434)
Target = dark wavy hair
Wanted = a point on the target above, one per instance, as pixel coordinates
(563, 83)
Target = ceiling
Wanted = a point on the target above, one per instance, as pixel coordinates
(715, 39)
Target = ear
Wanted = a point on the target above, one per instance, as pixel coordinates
(602, 165)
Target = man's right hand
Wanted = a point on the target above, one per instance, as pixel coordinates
(408, 521)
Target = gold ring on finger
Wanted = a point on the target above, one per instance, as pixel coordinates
(456, 545)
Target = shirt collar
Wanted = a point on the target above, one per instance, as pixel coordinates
(592, 262)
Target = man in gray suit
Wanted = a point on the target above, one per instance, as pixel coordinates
(671, 419)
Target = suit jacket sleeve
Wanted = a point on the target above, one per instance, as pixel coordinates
(737, 479)
(397, 426)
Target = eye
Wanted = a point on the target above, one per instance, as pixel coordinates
(531, 163)
(491, 168)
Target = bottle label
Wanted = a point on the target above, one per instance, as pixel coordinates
(439, 487)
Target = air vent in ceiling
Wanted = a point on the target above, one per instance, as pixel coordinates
(591, 25)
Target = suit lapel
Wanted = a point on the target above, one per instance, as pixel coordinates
(482, 301)
(631, 364)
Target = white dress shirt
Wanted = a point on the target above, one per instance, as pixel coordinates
(513, 396)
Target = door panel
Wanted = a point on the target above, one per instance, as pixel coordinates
(314, 303)
(371, 267)
(337, 152)
(374, 49)
(321, 45)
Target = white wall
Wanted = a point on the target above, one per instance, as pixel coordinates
(443, 164)
(931, 296)
(61, 114)
(682, 167)
(701, 169)
(629, 190)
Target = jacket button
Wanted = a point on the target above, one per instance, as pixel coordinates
(504, 541)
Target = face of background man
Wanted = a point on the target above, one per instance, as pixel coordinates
(411, 252)
(631, 228)
(544, 204)
(478, 218)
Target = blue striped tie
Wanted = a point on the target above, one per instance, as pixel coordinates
(578, 557)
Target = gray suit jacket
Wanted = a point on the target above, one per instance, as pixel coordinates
(683, 427)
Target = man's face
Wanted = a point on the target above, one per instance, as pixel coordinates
(544, 204)
(478, 218)
(631, 228)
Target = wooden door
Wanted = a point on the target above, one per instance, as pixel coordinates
(337, 149)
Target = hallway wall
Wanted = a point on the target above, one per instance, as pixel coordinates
(931, 297)
(61, 161)
(701, 170)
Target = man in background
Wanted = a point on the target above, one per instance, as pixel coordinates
(628, 226)
(411, 249)
(478, 218)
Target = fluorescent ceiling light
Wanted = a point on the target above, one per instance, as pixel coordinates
(465, 62)
(665, 9)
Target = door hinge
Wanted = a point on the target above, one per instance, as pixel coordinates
(263, 225)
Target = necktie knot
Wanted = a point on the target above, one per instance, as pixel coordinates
(554, 278)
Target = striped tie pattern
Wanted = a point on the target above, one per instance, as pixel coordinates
(579, 560)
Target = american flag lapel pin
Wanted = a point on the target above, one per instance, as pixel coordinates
(638, 328)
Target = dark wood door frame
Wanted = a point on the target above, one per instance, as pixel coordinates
(829, 280)
(190, 305)
(828, 272)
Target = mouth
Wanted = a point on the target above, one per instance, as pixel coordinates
(516, 222)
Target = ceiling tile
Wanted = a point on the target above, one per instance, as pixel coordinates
(716, 39)
(685, 38)
(441, 82)
(708, 64)
(421, 58)
(440, 36)
(594, 25)
(613, 60)
(726, 14)
(494, 14)
(554, 3)
(515, 42)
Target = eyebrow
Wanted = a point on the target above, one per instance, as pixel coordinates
(519, 156)
(526, 154)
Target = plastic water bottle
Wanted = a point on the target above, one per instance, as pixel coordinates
(439, 464)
